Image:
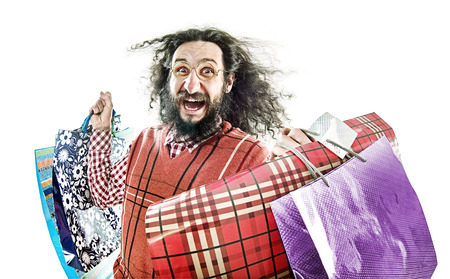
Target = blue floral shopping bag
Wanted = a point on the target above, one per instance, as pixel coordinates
(95, 233)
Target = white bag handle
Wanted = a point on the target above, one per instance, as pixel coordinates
(310, 166)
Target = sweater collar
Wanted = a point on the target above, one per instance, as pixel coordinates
(179, 142)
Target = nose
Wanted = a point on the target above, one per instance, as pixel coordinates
(192, 83)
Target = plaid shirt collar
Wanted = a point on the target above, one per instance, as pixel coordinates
(178, 143)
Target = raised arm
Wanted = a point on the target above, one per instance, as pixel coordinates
(106, 181)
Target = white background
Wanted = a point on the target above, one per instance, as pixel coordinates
(350, 57)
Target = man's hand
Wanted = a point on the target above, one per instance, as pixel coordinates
(291, 137)
(102, 112)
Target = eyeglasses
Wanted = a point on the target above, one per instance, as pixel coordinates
(204, 71)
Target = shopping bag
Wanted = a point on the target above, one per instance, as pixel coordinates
(87, 233)
(44, 174)
(367, 223)
(65, 235)
(105, 269)
(226, 228)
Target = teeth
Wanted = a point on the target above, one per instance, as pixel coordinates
(192, 105)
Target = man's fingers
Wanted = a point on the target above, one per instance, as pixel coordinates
(280, 151)
(293, 137)
(102, 112)
(289, 141)
(97, 108)
(106, 99)
(298, 136)
(277, 151)
(295, 134)
(290, 137)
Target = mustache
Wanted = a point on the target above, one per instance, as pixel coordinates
(198, 97)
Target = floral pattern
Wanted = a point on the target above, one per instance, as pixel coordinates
(95, 232)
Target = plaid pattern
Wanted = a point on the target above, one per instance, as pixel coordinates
(150, 178)
(107, 187)
(226, 228)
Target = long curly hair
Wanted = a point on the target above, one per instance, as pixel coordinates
(253, 105)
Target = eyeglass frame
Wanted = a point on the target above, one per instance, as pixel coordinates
(215, 72)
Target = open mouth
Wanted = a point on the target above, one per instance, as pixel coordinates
(193, 105)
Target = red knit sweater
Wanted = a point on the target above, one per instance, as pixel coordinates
(152, 176)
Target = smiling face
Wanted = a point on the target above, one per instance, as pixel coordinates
(199, 84)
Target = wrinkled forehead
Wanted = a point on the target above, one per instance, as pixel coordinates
(197, 52)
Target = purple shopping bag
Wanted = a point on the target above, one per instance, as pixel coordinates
(368, 223)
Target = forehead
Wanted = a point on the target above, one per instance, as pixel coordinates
(194, 52)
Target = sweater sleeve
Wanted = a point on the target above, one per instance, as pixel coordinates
(106, 181)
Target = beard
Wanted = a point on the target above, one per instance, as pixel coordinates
(204, 126)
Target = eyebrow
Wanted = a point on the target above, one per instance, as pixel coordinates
(202, 60)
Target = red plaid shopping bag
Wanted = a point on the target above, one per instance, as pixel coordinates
(226, 228)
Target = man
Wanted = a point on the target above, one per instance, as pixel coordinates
(212, 95)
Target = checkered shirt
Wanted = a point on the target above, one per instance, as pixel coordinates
(178, 143)
(106, 181)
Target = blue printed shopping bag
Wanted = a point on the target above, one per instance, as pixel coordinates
(94, 233)
(44, 175)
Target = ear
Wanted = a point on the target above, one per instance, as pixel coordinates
(230, 81)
